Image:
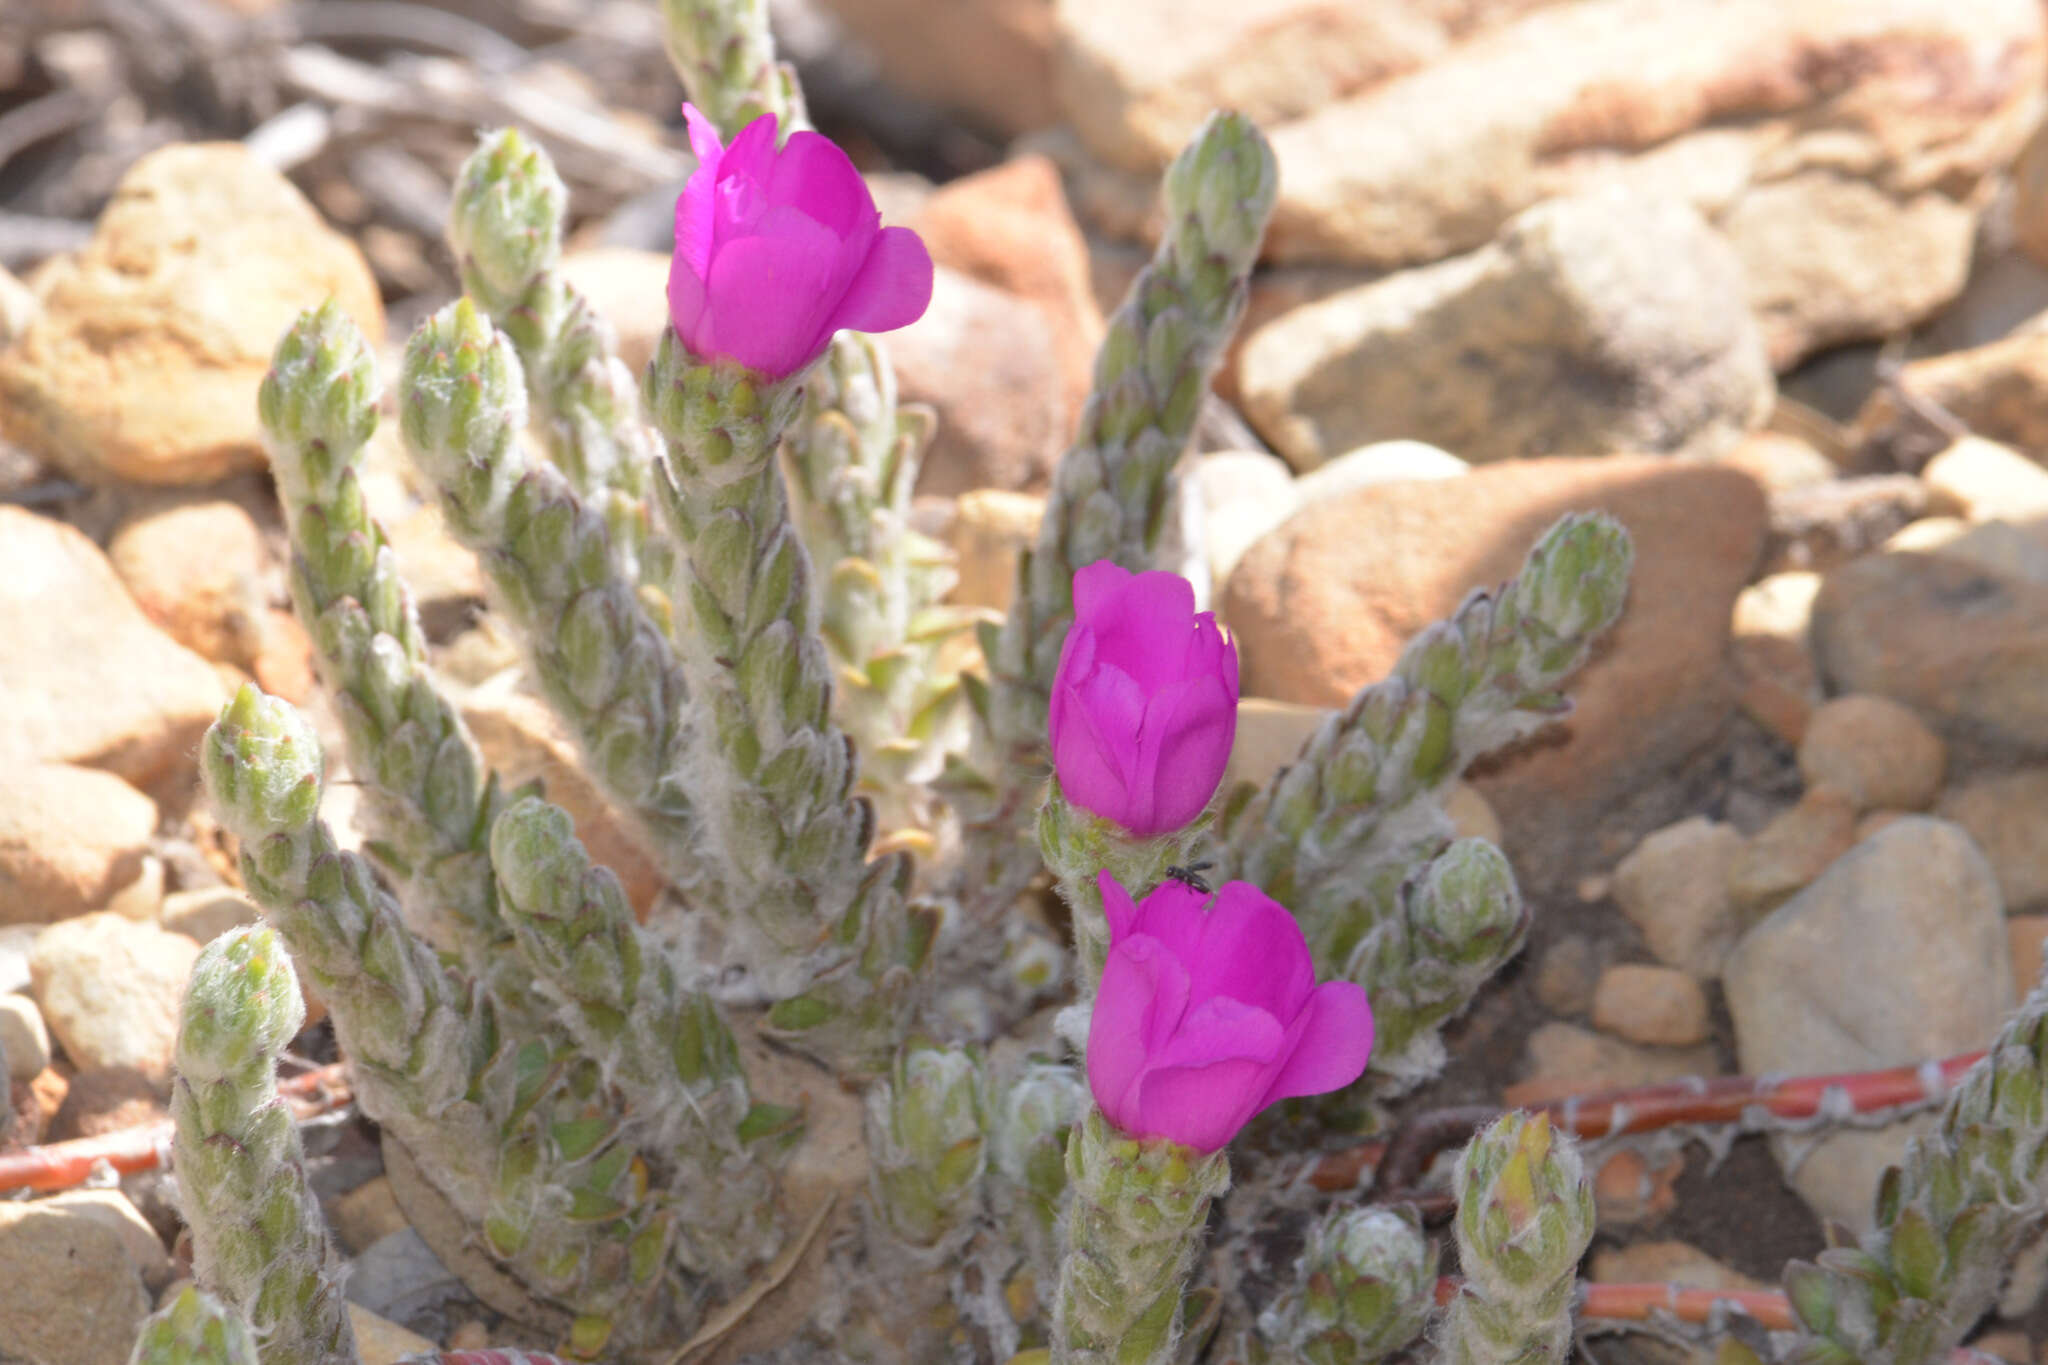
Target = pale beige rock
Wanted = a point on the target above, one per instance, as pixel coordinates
(70, 838)
(1874, 751)
(1989, 480)
(1607, 321)
(2007, 815)
(112, 1209)
(1379, 462)
(1915, 907)
(109, 989)
(2026, 937)
(73, 1296)
(989, 529)
(1324, 604)
(145, 362)
(1793, 849)
(628, 288)
(989, 60)
(18, 308)
(1657, 1006)
(1926, 536)
(204, 915)
(1269, 736)
(2003, 548)
(379, 1342)
(141, 899)
(1245, 493)
(1137, 78)
(84, 677)
(1780, 605)
(198, 569)
(1010, 228)
(1964, 645)
(1850, 198)
(989, 363)
(1471, 814)
(1674, 888)
(367, 1212)
(1780, 461)
(1677, 1263)
(24, 1038)
(1998, 390)
(1565, 1059)
(522, 740)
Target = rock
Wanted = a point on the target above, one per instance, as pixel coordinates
(989, 528)
(1380, 462)
(1778, 684)
(1874, 751)
(1607, 321)
(1817, 526)
(145, 362)
(1270, 735)
(143, 898)
(987, 362)
(106, 1099)
(1471, 814)
(73, 1296)
(1666, 1263)
(1999, 391)
(398, 1276)
(382, 1342)
(18, 308)
(205, 915)
(1996, 545)
(1010, 228)
(1916, 908)
(69, 839)
(1779, 461)
(111, 1209)
(1565, 1059)
(522, 740)
(628, 288)
(1323, 605)
(1779, 605)
(17, 942)
(1137, 79)
(1674, 888)
(1628, 1190)
(1965, 646)
(1245, 493)
(24, 1038)
(2026, 936)
(110, 988)
(84, 676)
(1793, 849)
(1807, 131)
(366, 1214)
(2007, 814)
(1567, 975)
(989, 60)
(1986, 480)
(1658, 1006)
(215, 604)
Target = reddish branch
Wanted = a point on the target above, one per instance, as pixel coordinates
(1401, 1161)
(63, 1165)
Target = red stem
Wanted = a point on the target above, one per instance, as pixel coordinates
(1402, 1159)
(64, 1165)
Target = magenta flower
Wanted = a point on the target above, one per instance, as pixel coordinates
(777, 250)
(1144, 705)
(1206, 1016)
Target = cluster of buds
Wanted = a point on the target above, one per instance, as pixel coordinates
(1363, 1289)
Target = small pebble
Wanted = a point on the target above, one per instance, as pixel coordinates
(1660, 1006)
(1874, 751)
(471, 1335)
(24, 1038)
(1566, 976)
(1792, 850)
(1674, 888)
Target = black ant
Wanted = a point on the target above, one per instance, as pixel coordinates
(1191, 875)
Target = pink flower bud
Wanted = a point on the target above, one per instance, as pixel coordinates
(1144, 705)
(1206, 1016)
(778, 249)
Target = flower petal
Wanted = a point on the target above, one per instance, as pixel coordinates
(1183, 746)
(1141, 998)
(1219, 1029)
(1089, 757)
(891, 288)
(1147, 628)
(1201, 1107)
(764, 295)
(686, 294)
(1333, 1047)
(1095, 584)
(1174, 914)
(751, 155)
(1253, 951)
(813, 175)
(1117, 906)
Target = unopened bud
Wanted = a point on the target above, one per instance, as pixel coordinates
(505, 219)
(195, 1329)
